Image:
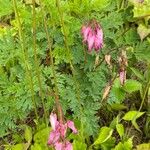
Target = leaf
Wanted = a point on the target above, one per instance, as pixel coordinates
(5, 8)
(96, 5)
(104, 135)
(144, 146)
(77, 145)
(137, 73)
(28, 134)
(132, 86)
(120, 129)
(136, 125)
(127, 145)
(118, 106)
(143, 31)
(20, 146)
(36, 146)
(132, 115)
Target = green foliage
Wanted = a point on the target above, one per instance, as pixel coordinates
(104, 135)
(80, 76)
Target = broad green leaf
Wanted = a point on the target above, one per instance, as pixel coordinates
(128, 145)
(137, 73)
(28, 134)
(36, 147)
(44, 133)
(118, 106)
(132, 86)
(117, 90)
(18, 147)
(120, 146)
(136, 125)
(143, 31)
(104, 135)
(77, 145)
(144, 146)
(132, 115)
(120, 129)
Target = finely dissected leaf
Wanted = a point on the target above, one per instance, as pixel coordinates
(137, 73)
(120, 129)
(104, 135)
(5, 7)
(132, 115)
(132, 86)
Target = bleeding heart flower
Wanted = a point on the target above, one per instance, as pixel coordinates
(57, 137)
(85, 31)
(92, 36)
(68, 146)
(122, 76)
(70, 125)
(90, 41)
(58, 146)
(53, 121)
(53, 137)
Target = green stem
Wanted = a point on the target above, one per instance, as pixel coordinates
(25, 57)
(58, 105)
(37, 69)
(141, 105)
(70, 58)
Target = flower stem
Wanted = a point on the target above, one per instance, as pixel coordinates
(77, 86)
(25, 57)
(37, 69)
(58, 105)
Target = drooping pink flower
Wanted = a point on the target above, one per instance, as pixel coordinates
(63, 129)
(85, 32)
(92, 36)
(53, 137)
(90, 41)
(68, 146)
(53, 121)
(58, 146)
(122, 77)
(98, 43)
(70, 125)
(57, 137)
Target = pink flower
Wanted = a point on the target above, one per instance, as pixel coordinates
(53, 137)
(63, 146)
(92, 36)
(98, 44)
(90, 41)
(63, 129)
(122, 76)
(68, 146)
(53, 121)
(70, 125)
(58, 146)
(85, 31)
(57, 137)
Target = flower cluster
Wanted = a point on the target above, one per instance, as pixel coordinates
(92, 36)
(57, 137)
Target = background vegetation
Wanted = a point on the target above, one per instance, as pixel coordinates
(43, 58)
